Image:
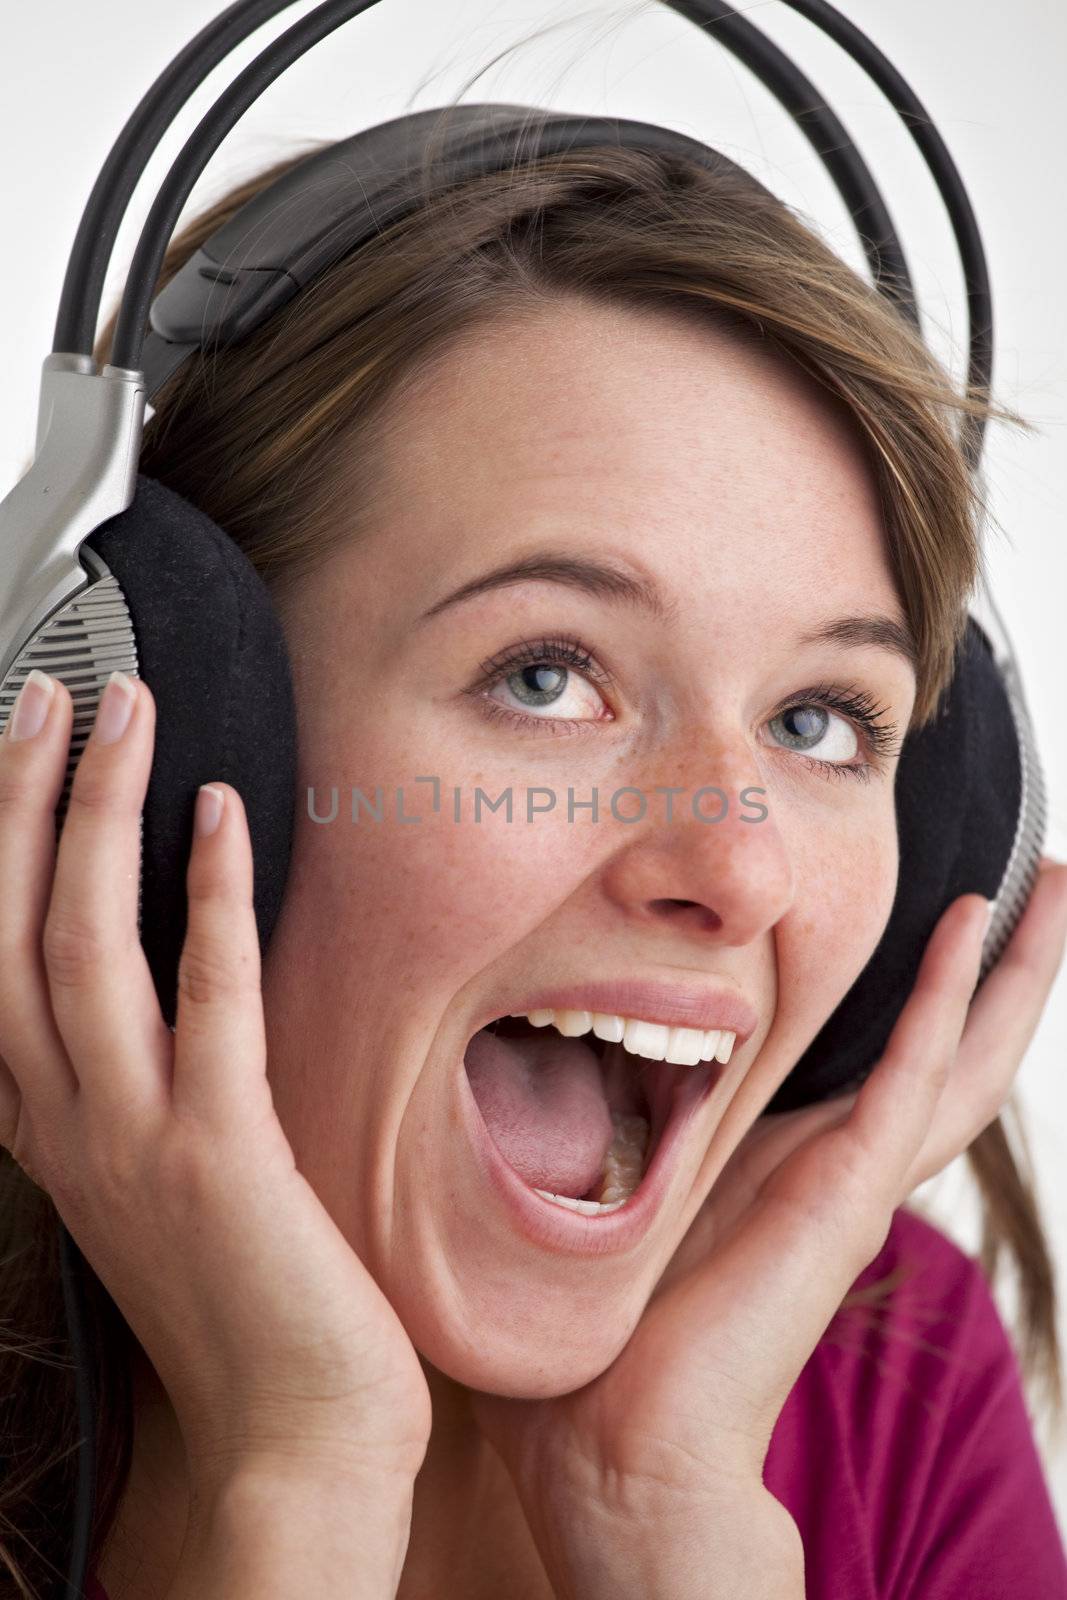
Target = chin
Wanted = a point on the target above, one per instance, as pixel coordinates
(510, 1354)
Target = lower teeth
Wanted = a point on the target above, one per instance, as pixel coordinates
(624, 1167)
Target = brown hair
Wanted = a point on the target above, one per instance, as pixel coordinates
(277, 440)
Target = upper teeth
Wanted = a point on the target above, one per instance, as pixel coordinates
(683, 1046)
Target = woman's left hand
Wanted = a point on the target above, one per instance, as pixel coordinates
(671, 1439)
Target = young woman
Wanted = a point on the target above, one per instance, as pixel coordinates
(552, 485)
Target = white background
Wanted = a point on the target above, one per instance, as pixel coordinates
(991, 79)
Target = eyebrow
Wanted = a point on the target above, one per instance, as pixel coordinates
(601, 579)
(606, 581)
(884, 633)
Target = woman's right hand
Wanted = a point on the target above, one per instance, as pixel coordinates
(162, 1151)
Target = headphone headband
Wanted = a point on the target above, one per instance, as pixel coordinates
(79, 304)
(315, 213)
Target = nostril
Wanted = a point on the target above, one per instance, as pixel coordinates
(673, 908)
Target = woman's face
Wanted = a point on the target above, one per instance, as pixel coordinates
(732, 485)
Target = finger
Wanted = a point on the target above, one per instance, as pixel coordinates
(32, 772)
(220, 1039)
(102, 993)
(1001, 1022)
(896, 1105)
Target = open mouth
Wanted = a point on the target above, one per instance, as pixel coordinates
(578, 1119)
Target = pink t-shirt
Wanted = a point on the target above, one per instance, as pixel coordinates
(911, 1470)
(905, 1453)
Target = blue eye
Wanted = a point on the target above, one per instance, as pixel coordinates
(805, 728)
(808, 715)
(540, 676)
(543, 676)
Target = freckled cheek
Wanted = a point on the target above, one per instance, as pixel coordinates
(439, 900)
(844, 897)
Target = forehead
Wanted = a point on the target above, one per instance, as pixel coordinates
(710, 458)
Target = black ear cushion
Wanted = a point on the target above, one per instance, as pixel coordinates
(211, 649)
(958, 796)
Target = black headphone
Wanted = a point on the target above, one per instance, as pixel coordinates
(162, 592)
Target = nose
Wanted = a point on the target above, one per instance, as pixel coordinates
(719, 869)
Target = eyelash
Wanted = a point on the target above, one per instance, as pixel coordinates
(856, 705)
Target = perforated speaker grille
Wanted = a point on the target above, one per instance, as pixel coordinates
(1022, 867)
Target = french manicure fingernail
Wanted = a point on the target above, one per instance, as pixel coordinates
(209, 803)
(113, 712)
(32, 706)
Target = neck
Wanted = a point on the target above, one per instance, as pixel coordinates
(468, 1532)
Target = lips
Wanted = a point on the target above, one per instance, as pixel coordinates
(673, 1091)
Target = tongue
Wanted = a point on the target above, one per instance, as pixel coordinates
(542, 1099)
